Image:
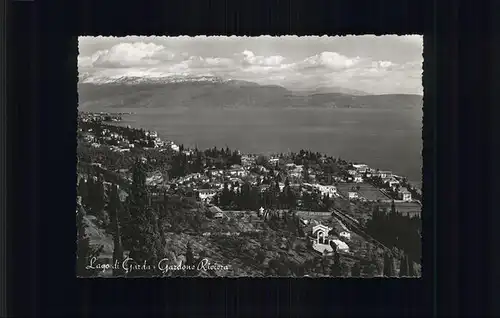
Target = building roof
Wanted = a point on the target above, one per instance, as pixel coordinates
(321, 227)
(404, 190)
(215, 209)
(207, 191)
(341, 245)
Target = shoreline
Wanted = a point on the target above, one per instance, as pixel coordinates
(124, 124)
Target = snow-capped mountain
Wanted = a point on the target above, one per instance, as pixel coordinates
(86, 78)
(206, 92)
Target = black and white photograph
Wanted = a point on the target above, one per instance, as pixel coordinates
(269, 156)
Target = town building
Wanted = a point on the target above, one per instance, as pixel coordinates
(237, 171)
(362, 168)
(206, 195)
(352, 195)
(404, 194)
(345, 234)
(392, 183)
(352, 172)
(324, 243)
(274, 161)
(385, 174)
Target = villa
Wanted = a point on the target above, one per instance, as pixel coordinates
(325, 242)
(404, 194)
(362, 168)
(206, 195)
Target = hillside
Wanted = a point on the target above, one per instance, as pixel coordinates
(204, 93)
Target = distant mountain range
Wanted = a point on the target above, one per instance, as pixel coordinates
(212, 92)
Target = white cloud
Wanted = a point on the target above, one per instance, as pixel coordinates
(130, 55)
(251, 59)
(324, 68)
(330, 60)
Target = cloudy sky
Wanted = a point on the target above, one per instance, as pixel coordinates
(378, 65)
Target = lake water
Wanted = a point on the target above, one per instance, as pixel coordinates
(384, 139)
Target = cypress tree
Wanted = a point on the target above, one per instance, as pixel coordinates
(393, 208)
(225, 199)
(388, 265)
(146, 246)
(99, 201)
(403, 267)
(91, 193)
(411, 269)
(336, 269)
(115, 210)
(82, 190)
(189, 259)
(142, 233)
(356, 270)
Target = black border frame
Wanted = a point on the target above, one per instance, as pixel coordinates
(42, 69)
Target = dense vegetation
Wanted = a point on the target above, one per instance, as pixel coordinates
(394, 229)
(141, 225)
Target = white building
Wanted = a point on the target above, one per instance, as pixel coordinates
(240, 172)
(323, 243)
(274, 161)
(206, 195)
(361, 167)
(352, 172)
(404, 194)
(392, 182)
(174, 147)
(345, 234)
(329, 190)
(341, 246)
(385, 174)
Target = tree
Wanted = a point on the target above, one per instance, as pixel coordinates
(85, 252)
(403, 267)
(90, 193)
(287, 182)
(388, 265)
(147, 246)
(137, 202)
(291, 198)
(225, 198)
(99, 202)
(83, 190)
(115, 210)
(356, 270)
(142, 231)
(189, 259)
(262, 161)
(305, 172)
(336, 269)
(411, 269)
(118, 248)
